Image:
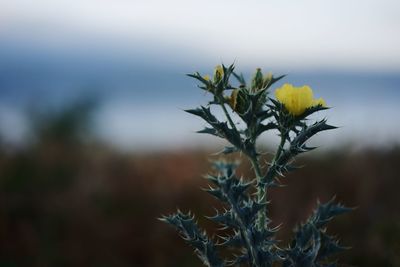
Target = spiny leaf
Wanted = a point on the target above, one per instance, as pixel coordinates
(230, 149)
(227, 169)
(216, 192)
(198, 112)
(187, 227)
(312, 110)
(240, 78)
(264, 114)
(265, 127)
(274, 80)
(238, 260)
(329, 246)
(326, 212)
(226, 219)
(308, 131)
(197, 76)
(250, 210)
(233, 241)
(211, 131)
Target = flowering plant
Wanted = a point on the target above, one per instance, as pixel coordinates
(251, 238)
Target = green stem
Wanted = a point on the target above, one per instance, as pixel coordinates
(271, 173)
(253, 257)
(261, 192)
(280, 148)
(227, 115)
(261, 188)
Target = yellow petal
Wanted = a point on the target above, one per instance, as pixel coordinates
(282, 92)
(319, 102)
(305, 98)
(295, 99)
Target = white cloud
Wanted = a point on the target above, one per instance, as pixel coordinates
(311, 33)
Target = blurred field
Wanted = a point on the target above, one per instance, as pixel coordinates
(67, 200)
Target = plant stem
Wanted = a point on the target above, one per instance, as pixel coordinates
(261, 191)
(280, 148)
(252, 253)
(227, 115)
(261, 187)
(271, 173)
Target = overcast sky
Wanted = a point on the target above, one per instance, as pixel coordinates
(350, 34)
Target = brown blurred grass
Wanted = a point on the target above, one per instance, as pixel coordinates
(64, 202)
(90, 206)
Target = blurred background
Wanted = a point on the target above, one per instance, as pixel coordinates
(94, 145)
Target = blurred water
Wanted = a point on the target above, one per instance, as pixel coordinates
(141, 99)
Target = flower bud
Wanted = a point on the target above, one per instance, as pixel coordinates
(257, 82)
(267, 79)
(218, 73)
(239, 101)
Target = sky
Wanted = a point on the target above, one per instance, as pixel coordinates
(135, 54)
(362, 34)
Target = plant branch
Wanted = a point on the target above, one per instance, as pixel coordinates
(280, 148)
(272, 171)
(227, 115)
(253, 260)
(261, 192)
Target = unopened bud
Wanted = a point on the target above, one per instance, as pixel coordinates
(218, 73)
(257, 82)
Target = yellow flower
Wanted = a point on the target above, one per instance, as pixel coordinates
(218, 73)
(297, 99)
(206, 77)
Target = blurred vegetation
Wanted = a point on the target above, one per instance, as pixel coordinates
(68, 200)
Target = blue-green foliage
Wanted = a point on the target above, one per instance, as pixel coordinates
(311, 245)
(203, 246)
(252, 238)
(241, 215)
